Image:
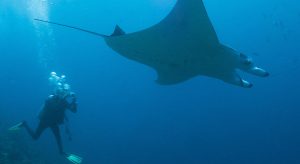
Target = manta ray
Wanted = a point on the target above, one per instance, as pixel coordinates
(181, 46)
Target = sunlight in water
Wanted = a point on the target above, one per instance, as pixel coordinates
(40, 9)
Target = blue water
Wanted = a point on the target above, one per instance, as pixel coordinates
(123, 115)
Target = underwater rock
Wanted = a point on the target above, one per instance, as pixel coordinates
(14, 150)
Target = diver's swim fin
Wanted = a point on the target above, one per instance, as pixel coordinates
(17, 126)
(74, 158)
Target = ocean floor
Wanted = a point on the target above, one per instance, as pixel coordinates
(15, 149)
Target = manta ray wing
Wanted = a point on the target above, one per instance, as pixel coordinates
(171, 45)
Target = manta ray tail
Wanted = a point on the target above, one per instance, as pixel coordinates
(76, 28)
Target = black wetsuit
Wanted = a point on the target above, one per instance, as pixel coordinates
(51, 116)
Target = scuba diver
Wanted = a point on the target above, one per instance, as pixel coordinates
(53, 114)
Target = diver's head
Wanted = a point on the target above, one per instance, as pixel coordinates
(53, 79)
(56, 80)
(63, 91)
(61, 88)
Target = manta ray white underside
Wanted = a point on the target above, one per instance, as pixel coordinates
(183, 45)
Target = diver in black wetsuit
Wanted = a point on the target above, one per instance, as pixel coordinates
(53, 115)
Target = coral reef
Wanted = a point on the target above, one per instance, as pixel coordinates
(14, 150)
